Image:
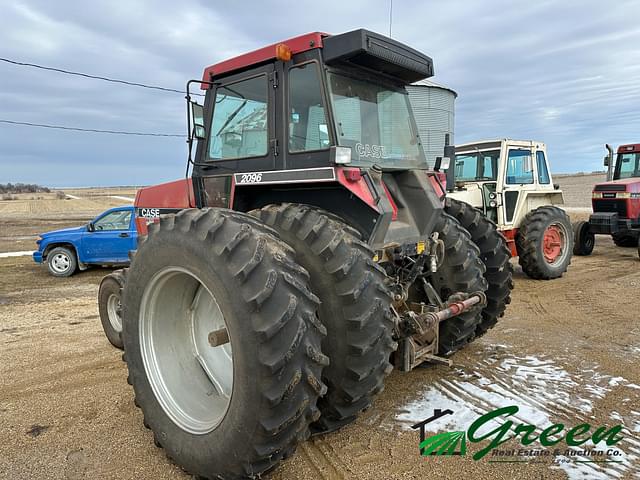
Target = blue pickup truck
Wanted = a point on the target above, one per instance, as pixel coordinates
(106, 240)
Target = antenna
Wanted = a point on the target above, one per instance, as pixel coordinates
(390, 16)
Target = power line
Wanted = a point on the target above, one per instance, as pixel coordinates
(92, 130)
(95, 77)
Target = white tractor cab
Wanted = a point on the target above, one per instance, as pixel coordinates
(510, 182)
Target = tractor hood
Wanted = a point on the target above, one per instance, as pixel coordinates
(630, 185)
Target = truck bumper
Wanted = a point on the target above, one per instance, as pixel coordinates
(37, 256)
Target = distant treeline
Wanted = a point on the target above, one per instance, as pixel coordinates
(22, 188)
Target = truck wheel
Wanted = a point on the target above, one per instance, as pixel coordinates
(583, 239)
(461, 271)
(626, 240)
(354, 307)
(495, 255)
(62, 262)
(110, 308)
(545, 242)
(222, 343)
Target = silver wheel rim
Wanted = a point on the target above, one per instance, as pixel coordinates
(113, 307)
(191, 380)
(60, 262)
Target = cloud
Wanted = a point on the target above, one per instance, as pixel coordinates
(566, 73)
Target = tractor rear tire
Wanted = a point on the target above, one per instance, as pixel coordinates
(222, 343)
(109, 306)
(626, 240)
(545, 243)
(461, 271)
(495, 255)
(354, 307)
(583, 239)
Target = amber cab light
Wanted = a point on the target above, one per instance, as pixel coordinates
(283, 52)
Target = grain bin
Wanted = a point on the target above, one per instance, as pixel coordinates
(433, 108)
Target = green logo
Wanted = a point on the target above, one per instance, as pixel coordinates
(556, 435)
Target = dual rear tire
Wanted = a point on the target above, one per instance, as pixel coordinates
(232, 357)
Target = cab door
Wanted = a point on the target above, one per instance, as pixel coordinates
(519, 175)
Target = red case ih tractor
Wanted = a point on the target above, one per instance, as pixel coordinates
(616, 203)
(306, 255)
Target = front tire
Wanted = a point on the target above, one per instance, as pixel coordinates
(62, 262)
(584, 240)
(109, 306)
(354, 308)
(545, 243)
(495, 255)
(222, 343)
(626, 240)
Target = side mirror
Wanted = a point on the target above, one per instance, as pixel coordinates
(442, 163)
(91, 227)
(197, 114)
(606, 160)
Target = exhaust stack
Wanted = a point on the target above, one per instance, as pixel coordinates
(609, 162)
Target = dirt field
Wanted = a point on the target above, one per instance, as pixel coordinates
(566, 352)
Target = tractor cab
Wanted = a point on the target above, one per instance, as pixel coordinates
(322, 120)
(503, 177)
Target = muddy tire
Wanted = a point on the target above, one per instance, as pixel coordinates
(545, 243)
(461, 271)
(354, 308)
(583, 239)
(109, 306)
(626, 240)
(62, 262)
(495, 255)
(222, 343)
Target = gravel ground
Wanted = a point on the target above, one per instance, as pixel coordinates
(567, 351)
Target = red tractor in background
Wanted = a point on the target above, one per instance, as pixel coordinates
(616, 203)
(307, 254)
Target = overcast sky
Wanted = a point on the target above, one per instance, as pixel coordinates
(563, 72)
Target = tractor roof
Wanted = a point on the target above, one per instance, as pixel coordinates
(497, 143)
(629, 148)
(357, 48)
(297, 44)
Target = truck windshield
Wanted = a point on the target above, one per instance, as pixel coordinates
(628, 165)
(375, 122)
(477, 166)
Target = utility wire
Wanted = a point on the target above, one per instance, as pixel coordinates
(92, 130)
(95, 77)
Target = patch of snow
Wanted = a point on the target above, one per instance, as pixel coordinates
(126, 199)
(73, 197)
(15, 254)
(542, 390)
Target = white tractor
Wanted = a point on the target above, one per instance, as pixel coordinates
(510, 182)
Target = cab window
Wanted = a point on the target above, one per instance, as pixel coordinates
(519, 167)
(119, 220)
(239, 123)
(543, 173)
(307, 119)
